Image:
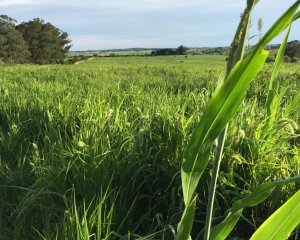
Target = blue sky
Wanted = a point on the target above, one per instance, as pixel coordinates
(107, 24)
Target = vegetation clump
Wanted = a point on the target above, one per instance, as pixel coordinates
(13, 47)
(293, 49)
(88, 150)
(181, 50)
(32, 42)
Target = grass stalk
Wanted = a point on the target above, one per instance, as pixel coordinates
(236, 53)
(213, 183)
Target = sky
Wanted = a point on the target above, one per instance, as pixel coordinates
(114, 24)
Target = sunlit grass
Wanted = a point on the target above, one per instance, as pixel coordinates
(117, 127)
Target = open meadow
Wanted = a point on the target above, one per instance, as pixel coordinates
(94, 150)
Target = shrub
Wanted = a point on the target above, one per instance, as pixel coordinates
(294, 59)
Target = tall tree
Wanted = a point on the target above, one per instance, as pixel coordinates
(13, 48)
(47, 44)
(293, 49)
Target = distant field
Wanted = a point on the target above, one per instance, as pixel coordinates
(94, 150)
(109, 53)
(206, 61)
(217, 62)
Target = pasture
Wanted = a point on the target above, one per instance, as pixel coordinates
(94, 150)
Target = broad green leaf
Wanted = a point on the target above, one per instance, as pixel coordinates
(220, 109)
(281, 223)
(222, 230)
(223, 105)
(186, 223)
(251, 3)
(236, 54)
(297, 15)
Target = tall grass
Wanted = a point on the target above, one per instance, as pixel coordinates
(94, 151)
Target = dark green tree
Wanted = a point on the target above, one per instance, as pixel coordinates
(163, 52)
(4, 19)
(13, 47)
(293, 49)
(46, 43)
(181, 50)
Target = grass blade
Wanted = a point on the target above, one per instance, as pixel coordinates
(236, 54)
(282, 222)
(222, 230)
(222, 107)
(288, 17)
(273, 95)
(186, 223)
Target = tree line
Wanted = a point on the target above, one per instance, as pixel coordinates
(34, 41)
(181, 50)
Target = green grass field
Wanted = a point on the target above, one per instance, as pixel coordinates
(205, 61)
(94, 150)
(109, 53)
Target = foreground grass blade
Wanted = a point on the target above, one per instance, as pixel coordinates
(221, 108)
(236, 53)
(297, 16)
(186, 222)
(282, 222)
(222, 230)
